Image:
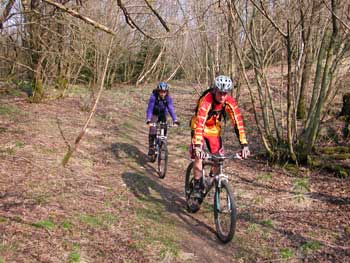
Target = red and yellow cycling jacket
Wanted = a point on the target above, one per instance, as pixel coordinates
(207, 121)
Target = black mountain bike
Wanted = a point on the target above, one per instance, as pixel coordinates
(161, 148)
(225, 212)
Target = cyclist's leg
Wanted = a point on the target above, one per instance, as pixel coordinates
(197, 172)
(152, 136)
(198, 186)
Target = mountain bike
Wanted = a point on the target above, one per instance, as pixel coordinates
(225, 212)
(161, 148)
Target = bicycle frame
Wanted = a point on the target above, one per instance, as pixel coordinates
(161, 150)
(217, 161)
(161, 137)
(161, 129)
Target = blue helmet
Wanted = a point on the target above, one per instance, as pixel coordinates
(223, 83)
(163, 86)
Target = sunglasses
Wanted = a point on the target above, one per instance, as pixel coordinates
(222, 93)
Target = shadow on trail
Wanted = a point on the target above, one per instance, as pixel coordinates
(141, 185)
(142, 180)
(127, 151)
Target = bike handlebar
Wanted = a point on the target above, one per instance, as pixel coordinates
(168, 124)
(218, 157)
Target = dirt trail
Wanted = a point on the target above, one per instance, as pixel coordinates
(108, 205)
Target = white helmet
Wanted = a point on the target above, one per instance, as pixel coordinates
(223, 83)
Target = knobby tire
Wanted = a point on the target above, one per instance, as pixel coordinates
(225, 212)
(162, 160)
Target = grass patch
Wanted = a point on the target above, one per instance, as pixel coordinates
(97, 221)
(9, 151)
(156, 231)
(19, 144)
(79, 89)
(73, 257)
(8, 110)
(286, 253)
(253, 228)
(182, 147)
(169, 248)
(11, 148)
(258, 200)
(67, 225)
(15, 92)
(46, 224)
(301, 185)
(291, 169)
(149, 214)
(11, 247)
(267, 223)
(128, 125)
(265, 177)
(41, 199)
(347, 230)
(310, 246)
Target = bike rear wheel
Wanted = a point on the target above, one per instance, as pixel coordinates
(225, 212)
(162, 160)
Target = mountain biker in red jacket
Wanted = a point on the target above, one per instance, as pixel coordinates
(206, 126)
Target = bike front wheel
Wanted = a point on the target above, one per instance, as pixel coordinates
(225, 212)
(192, 204)
(162, 160)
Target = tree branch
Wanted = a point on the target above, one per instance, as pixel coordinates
(5, 14)
(335, 15)
(129, 20)
(80, 16)
(263, 11)
(158, 16)
(83, 131)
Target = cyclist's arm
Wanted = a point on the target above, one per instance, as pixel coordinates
(203, 109)
(149, 111)
(236, 119)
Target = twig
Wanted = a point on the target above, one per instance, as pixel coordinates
(81, 134)
(263, 11)
(335, 15)
(80, 16)
(129, 20)
(158, 16)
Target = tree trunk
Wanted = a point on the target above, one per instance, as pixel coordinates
(289, 99)
(306, 72)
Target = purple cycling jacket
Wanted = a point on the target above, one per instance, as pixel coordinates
(160, 107)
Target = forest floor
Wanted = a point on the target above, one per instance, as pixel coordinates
(108, 204)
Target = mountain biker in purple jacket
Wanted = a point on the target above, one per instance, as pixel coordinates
(159, 105)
